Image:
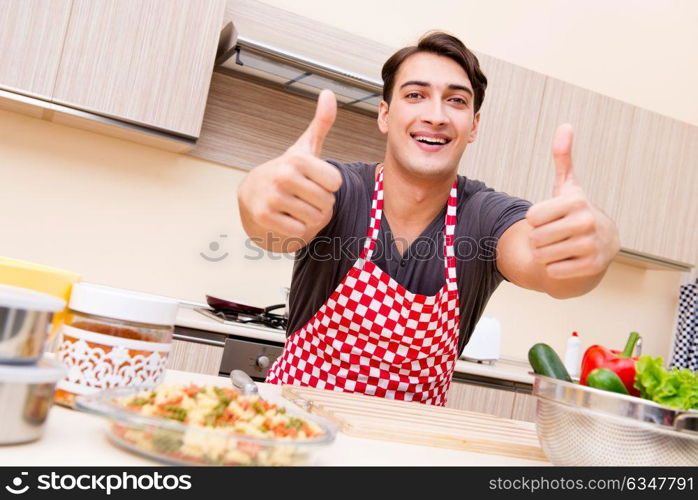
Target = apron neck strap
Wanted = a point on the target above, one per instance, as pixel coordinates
(450, 225)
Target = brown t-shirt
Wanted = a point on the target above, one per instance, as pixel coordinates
(482, 217)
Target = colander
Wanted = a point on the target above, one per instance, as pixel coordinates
(580, 425)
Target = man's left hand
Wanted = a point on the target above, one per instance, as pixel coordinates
(570, 236)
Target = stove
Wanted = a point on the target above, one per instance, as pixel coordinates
(245, 352)
(267, 318)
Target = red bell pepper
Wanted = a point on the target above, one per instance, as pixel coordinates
(622, 363)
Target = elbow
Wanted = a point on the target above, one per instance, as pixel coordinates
(569, 289)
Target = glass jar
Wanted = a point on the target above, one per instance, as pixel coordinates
(113, 338)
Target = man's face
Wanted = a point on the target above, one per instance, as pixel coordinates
(430, 118)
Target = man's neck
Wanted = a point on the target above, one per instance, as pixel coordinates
(411, 202)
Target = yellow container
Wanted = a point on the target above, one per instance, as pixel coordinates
(41, 278)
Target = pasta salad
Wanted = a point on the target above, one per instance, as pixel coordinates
(243, 419)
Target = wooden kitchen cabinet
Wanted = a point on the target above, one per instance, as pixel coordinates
(471, 397)
(659, 188)
(502, 152)
(601, 135)
(31, 38)
(146, 62)
(501, 398)
(524, 407)
(637, 166)
(194, 357)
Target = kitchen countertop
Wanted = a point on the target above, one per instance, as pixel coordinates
(502, 369)
(76, 438)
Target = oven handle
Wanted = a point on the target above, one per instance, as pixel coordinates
(198, 340)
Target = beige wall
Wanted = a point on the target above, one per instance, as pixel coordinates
(627, 299)
(136, 217)
(639, 51)
(126, 215)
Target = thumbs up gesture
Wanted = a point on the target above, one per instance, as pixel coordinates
(570, 236)
(292, 196)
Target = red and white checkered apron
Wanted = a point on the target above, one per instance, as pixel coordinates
(373, 336)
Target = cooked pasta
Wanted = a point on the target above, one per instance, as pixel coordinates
(204, 408)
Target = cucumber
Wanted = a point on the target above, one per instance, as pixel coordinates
(606, 380)
(545, 361)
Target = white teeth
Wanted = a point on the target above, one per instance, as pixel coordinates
(430, 140)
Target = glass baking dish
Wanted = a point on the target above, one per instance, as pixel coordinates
(172, 442)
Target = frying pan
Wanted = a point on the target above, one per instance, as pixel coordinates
(224, 305)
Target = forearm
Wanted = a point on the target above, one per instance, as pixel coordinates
(571, 287)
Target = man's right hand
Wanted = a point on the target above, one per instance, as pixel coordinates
(292, 197)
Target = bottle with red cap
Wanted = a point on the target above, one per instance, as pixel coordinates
(572, 355)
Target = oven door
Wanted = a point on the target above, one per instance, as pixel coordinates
(254, 357)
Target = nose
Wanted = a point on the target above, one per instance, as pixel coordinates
(434, 113)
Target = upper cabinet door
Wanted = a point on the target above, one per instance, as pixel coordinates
(147, 62)
(501, 154)
(31, 39)
(601, 135)
(659, 188)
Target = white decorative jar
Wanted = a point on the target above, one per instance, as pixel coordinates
(113, 338)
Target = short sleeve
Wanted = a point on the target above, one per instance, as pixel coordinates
(498, 212)
(347, 197)
(341, 194)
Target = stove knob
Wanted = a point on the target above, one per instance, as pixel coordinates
(262, 362)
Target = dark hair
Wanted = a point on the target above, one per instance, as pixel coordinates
(441, 44)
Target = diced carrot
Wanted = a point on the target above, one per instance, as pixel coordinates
(229, 392)
(172, 401)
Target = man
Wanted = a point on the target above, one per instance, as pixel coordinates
(389, 320)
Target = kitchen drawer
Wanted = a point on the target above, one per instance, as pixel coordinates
(479, 398)
(195, 357)
(524, 407)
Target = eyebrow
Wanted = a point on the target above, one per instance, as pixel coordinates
(451, 86)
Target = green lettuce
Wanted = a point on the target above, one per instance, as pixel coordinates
(677, 388)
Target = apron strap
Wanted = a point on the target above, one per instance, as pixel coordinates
(375, 224)
(449, 238)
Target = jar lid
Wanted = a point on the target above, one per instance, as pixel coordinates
(126, 305)
(15, 297)
(44, 371)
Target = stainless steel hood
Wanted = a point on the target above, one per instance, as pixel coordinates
(301, 75)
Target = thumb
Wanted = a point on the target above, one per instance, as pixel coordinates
(325, 113)
(562, 156)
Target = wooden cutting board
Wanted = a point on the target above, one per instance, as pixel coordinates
(378, 418)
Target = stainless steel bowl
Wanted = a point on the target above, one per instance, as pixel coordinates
(26, 395)
(580, 425)
(25, 316)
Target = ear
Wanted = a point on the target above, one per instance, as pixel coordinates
(474, 130)
(383, 117)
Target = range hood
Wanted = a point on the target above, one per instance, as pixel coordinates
(301, 75)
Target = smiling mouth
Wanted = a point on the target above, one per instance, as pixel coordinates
(429, 143)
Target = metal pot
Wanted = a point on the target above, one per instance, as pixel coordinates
(25, 316)
(26, 395)
(580, 425)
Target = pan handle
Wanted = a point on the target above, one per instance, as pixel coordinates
(273, 308)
